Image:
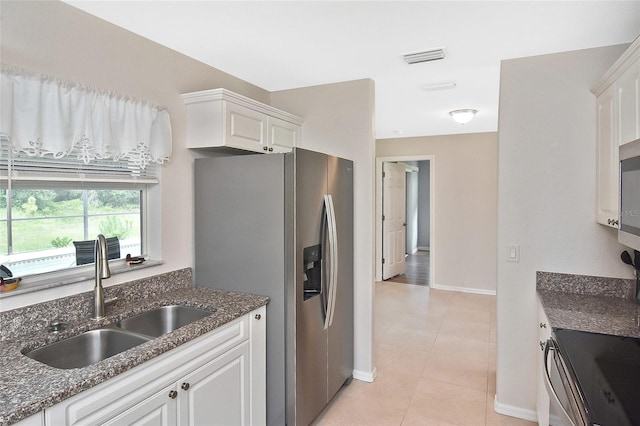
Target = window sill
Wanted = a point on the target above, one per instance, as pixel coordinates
(84, 273)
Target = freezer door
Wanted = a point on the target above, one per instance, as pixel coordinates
(240, 232)
(311, 337)
(340, 339)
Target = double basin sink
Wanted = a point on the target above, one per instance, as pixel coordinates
(93, 346)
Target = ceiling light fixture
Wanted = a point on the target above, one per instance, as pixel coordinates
(424, 56)
(445, 85)
(463, 116)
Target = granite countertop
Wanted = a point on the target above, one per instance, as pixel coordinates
(28, 386)
(592, 304)
(595, 314)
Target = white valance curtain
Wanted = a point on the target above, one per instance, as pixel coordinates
(41, 116)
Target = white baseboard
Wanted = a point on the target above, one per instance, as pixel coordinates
(463, 289)
(365, 376)
(512, 411)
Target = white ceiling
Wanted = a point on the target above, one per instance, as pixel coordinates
(284, 45)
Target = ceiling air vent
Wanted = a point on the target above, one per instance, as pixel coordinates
(424, 56)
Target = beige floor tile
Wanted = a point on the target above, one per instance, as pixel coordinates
(473, 315)
(401, 361)
(413, 419)
(491, 380)
(457, 371)
(472, 301)
(448, 403)
(404, 338)
(495, 419)
(349, 411)
(390, 389)
(461, 327)
(460, 347)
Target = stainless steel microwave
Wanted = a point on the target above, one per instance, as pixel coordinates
(629, 231)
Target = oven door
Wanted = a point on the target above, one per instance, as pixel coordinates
(565, 401)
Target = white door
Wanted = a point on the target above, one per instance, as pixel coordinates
(394, 219)
(218, 393)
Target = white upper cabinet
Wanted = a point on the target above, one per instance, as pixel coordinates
(628, 97)
(606, 160)
(617, 122)
(220, 118)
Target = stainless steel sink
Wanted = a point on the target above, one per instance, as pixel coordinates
(93, 346)
(163, 320)
(87, 348)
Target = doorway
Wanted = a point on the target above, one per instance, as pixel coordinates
(420, 252)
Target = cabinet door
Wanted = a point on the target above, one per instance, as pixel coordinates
(34, 420)
(542, 398)
(607, 161)
(283, 136)
(628, 92)
(246, 128)
(157, 410)
(218, 394)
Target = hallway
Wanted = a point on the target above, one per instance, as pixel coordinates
(435, 354)
(416, 269)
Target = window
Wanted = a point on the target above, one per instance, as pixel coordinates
(47, 204)
(38, 227)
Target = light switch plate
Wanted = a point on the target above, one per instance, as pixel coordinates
(513, 253)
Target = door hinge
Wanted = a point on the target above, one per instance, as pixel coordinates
(382, 217)
(383, 260)
(384, 174)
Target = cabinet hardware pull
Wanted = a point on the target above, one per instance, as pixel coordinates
(185, 386)
(609, 221)
(270, 149)
(543, 325)
(258, 316)
(264, 148)
(173, 394)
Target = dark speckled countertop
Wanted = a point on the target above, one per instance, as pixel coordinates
(28, 386)
(593, 304)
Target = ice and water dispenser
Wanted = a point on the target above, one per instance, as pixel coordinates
(312, 270)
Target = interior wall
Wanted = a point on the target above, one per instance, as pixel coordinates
(53, 38)
(424, 205)
(465, 185)
(547, 174)
(340, 121)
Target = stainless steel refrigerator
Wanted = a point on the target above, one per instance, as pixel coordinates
(281, 225)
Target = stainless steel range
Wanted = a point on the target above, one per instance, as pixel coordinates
(594, 379)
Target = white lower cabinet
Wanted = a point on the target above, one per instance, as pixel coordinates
(542, 397)
(215, 379)
(228, 378)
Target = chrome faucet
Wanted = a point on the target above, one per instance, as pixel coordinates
(101, 259)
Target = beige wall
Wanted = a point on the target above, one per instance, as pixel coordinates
(547, 174)
(464, 239)
(53, 38)
(340, 121)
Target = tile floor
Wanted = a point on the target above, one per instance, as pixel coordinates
(435, 354)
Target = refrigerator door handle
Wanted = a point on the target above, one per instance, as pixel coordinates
(331, 228)
(334, 261)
